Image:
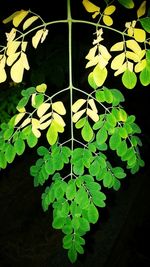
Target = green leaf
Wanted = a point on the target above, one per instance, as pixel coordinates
(41, 151)
(111, 119)
(127, 3)
(23, 102)
(100, 96)
(129, 79)
(117, 97)
(119, 172)
(117, 184)
(107, 179)
(32, 140)
(122, 148)
(72, 254)
(52, 134)
(81, 198)
(58, 222)
(10, 153)
(114, 140)
(123, 132)
(79, 124)
(87, 132)
(93, 214)
(8, 133)
(84, 224)
(145, 22)
(19, 146)
(101, 136)
(67, 241)
(71, 190)
(94, 168)
(98, 199)
(3, 162)
(38, 100)
(145, 76)
(108, 95)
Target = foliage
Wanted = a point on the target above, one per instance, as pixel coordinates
(75, 171)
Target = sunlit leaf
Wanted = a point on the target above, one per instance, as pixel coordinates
(129, 79)
(41, 88)
(117, 62)
(58, 119)
(78, 104)
(107, 20)
(140, 66)
(92, 114)
(52, 134)
(91, 53)
(139, 35)
(118, 46)
(44, 125)
(36, 132)
(19, 17)
(59, 107)
(42, 109)
(29, 21)
(17, 71)
(45, 117)
(10, 18)
(12, 58)
(109, 10)
(24, 61)
(134, 46)
(12, 47)
(141, 10)
(36, 38)
(91, 81)
(90, 7)
(19, 117)
(99, 75)
(91, 102)
(78, 115)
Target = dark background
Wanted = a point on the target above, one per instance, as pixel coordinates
(120, 237)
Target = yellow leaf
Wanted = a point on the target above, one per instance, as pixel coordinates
(78, 115)
(12, 47)
(11, 35)
(45, 33)
(33, 99)
(19, 117)
(78, 104)
(3, 75)
(92, 114)
(17, 71)
(36, 38)
(99, 75)
(21, 109)
(121, 69)
(45, 117)
(117, 62)
(25, 122)
(19, 17)
(134, 46)
(24, 61)
(10, 18)
(132, 56)
(36, 132)
(42, 109)
(107, 20)
(52, 134)
(12, 58)
(35, 123)
(139, 35)
(91, 102)
(95, 14)
(129, 66)
(24, 46)
(29, 21)
(91, 53)
(141, 10)
(58, 119)
(118, 46)
(90, 7)
(102, 62)
(140, 66)
(44, 125)
(92, 62)
(109, 10)
(59, 128)
(41, 88)
(59, 107)
(104, 52)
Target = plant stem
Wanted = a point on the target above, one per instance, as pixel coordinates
(70, 71)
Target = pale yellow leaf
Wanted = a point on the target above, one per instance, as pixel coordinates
(24, 61)
(78, 115)
(24, 46)
(118, 46)
(92, 114)
(29, 21)
(59, 128)
(91, 53)
(36, 132)
(10, 18)
(142, 54)
(99, 75)
(35, 123)
(134, 46)
(42, 109)
(45, 117)
(117, 62)
(121, 69)
(11, 35)
(33, 99)
(132, 56)
(140, 66)
(92, 62)
(41, 88)
(12, 58)
(141, 10)
(44, 125)
(12, 47)
(3, 75)
(45, 33)
(109, 10)
(25, 122)
(20, 17)
(130, 65)
(139, 35)
(58, 119)
(36, 38)
(104, 52)
(97, 40)
(90, 7)
(102, 62)
(78, 104)
(19, 117)
(91, 102)
(17, 71)
(59, 107)
(107, 20)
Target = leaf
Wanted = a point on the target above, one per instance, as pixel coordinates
(72, 254)
(10, 153)
(32, 140)
(98, 199)
(127, 3)
(87, 132)
(145, 76)
(139, 35)
(91, 81)
(36, 38)
(92, 114)
(107, 20)
(58, 222)
(141, 10)
(12, 47)
(71, 190)
(78, 104)
(19, 17)
(117, 62)
(99, 75)
(91, 102)
(109, 10)
(11, 17)
(114, 141)
(134, 46)
(24, 61)
(29, 21)
(52, 134)
(78, 115)
(145, 22)
(108, 95)
(93, 214)
(41, 88)
(59, 107)
(90, 7)
(12, 58)
(17, 71)
(19, 117)
(42, 109)
(119, 46)
(129, 79)
(19, 146)
(80, 123)
(101, 136)
(3, 162)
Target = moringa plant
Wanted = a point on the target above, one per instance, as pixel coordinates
(91, 141)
